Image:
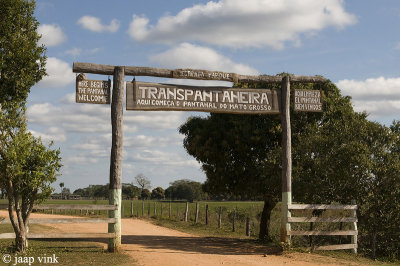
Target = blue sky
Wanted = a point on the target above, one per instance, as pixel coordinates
(356, 44)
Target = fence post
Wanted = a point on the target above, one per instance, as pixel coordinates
(155, 209)
(148, 210)
(219, 216)
(170, 210)
(177, 211)
(161, 209)
(234, 220)
(206, 214)
(196, 217)
(186, 211)
(248, 226)
(354, 227)
(132, 208)
(142, 207)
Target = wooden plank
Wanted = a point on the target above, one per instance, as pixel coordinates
(322, 233)
(73, 207)
(321, 207)
(336, 247)
(79, 67)
(322, 219)
(7, 235)
(71, 235)
(63, 221)
(59, 235)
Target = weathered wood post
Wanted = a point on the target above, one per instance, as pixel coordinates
(196, 217)
(354, 238)
(155, 209)
(186, 211)
(170, 210)
(206, 214)
(219, 217)
(247, 226)
(286, 160)
(234, 221)
(115, 193)
(142, 208)
(132, 208)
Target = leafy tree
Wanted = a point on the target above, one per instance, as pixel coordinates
(142, 181)
(145, 194)
(61, 186)
(158, 193)
(27, 169)
(22, 61)
(241, 154)
(185, 189)
(130, 191)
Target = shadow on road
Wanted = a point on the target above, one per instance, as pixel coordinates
(205, 245)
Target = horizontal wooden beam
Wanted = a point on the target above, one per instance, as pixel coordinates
(60, 235)
(322, 219)
(73, 207)
(63, 221)
(323, 233)
(321, 207)
(336, 247)
(79, 67)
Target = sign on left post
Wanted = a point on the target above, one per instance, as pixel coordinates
(93, 91)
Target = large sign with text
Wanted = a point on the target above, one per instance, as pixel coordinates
(93, 91)
(153, 96)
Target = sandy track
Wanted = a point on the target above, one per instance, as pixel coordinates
(149, 244)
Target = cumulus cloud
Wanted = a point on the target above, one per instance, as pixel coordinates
(51, 134)
(188, 55)
(94, 24)
(59, 74)
(380, 97)
(52, 35)
(236, 23)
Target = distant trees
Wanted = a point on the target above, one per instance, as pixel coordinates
(142, 181)
(145, 194)
(158, 193)
(185, 189)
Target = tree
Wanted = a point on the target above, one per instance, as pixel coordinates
(241, 154)
(27, 169)
(185, 189)
(142, 181)
(130, 191)
(61, 186)
(22, 61)
(158, 193)
(145, 194)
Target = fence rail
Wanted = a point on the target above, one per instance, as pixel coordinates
(65, 221)
(352, 219)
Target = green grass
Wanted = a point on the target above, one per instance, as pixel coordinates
(67, 252)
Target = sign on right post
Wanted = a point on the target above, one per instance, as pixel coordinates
(307, 100)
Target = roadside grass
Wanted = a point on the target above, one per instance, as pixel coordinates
(67, 252)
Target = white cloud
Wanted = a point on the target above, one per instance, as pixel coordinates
(161, 158)
(52, 35)
(187, 55)
(51, 134)
(238, 23)
(59, 74)
(378, 96)
(74, 52)
(94, 24)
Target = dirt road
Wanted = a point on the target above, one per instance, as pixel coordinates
(149, 244)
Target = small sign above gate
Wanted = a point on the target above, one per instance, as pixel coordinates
(307, 100)
(167, 97)
(93, 91)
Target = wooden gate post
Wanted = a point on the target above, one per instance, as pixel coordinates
(286, 160)
(115, 189)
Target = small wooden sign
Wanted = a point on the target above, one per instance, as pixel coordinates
(307, 100)
(93, 91)
(204, 75)
(167, 97)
